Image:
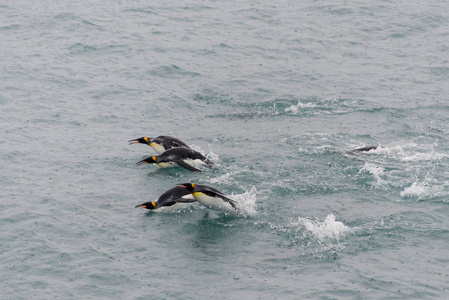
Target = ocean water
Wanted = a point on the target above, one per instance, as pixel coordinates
(276, 94)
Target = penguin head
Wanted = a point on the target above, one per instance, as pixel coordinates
(188, 186)
(154, 143)
(142, 140)
(148, 160)
(147, 205)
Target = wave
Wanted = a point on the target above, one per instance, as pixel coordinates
(330, 106)
(376, 171)
(285, 107)
(410, 152)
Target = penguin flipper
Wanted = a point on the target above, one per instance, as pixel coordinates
(186, 199)
(226, 199)
(185, 165)
(181, 200)
(232, 203)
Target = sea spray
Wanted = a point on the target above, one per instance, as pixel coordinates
(376, 171)
(329, 229)
(418, 190)
(247, 202)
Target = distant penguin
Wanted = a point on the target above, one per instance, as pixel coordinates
(171, 197)
(211, 197)
(160, 143)
(364, 149)
(183, 157)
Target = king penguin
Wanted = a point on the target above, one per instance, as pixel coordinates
(183, 157)
(160, 143)
(171, 197)
(211, 197)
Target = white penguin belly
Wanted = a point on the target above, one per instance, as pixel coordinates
(165, 165)
(213, 202)
(158, 148)
(194, 162)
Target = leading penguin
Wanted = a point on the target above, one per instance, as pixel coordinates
(183, 157)
(211, 197)
(160, 143)
(171, 197)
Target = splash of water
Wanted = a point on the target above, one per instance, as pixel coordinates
(417, 189)
(295, 108)
(374, 170)
(247, 202)
(410, 152)
(328, 229)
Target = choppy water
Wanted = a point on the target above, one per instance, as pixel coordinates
(275, 94)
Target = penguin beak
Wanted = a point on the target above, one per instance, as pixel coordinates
(142, 140)
(150, 159)
(141, 162)
(146, 205)
(133, 141)
(183, 186)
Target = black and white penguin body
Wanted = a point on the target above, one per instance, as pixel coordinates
(171, 197)
(211, 197)
(183, 157)
(160, 143)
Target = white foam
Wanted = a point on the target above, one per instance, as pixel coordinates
(390, 151)
(418, 190)
(197, 148)
(429, 156)
(211, 155)
(295, 108)
(225, 178)
(247, 201)
(328, 229)
(374, 170)
(409, 152)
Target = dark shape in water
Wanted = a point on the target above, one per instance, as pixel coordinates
(365, 149)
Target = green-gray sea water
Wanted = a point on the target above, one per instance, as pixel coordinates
(276, 94)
